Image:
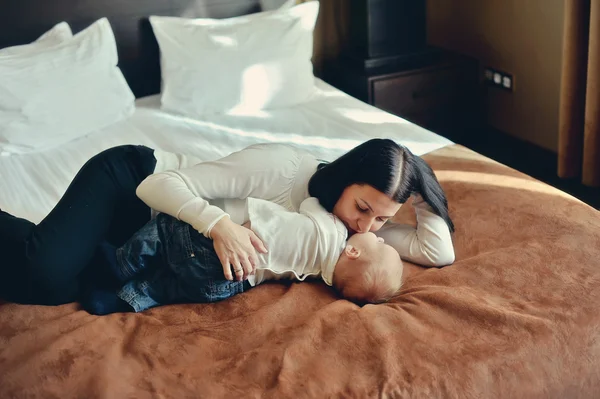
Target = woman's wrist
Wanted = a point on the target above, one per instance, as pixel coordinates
(417, 197)
(219, 227)
(420, 203)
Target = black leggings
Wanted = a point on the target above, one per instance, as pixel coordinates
(43, 263)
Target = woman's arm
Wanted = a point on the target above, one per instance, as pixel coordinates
(260, 171)
(429, 244)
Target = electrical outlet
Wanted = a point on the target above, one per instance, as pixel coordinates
(496, 78)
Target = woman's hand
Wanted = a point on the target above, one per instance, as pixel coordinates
(236, 246)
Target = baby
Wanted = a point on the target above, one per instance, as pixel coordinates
(368, 271)
(167, 261)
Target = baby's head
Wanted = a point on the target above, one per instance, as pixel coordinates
(368, 270)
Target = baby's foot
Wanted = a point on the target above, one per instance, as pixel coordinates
(100, 302)
(109, 256)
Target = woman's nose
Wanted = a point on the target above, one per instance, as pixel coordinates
(363, 225)
(359, 227)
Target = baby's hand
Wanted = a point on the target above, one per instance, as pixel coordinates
(248, 225)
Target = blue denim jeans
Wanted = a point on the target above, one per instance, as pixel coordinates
(169, 262)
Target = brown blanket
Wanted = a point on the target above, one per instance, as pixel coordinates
(517, 316)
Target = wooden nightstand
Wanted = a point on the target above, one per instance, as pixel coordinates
(439, 92)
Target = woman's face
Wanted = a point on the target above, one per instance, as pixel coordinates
(362, 208)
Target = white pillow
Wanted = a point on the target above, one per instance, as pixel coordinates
(58, 34)
(241, 64)
(56, 93)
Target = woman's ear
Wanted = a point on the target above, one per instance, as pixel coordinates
(352, 252)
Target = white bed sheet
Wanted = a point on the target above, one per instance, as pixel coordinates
(328, 125)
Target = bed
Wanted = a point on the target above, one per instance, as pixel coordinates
(514, 317)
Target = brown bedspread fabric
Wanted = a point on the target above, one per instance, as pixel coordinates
(516, 316)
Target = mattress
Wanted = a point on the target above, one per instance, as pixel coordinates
(328, 125)
(516, 316)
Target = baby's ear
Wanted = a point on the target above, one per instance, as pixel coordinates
(352, 252)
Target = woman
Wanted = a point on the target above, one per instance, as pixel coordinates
(364, 188)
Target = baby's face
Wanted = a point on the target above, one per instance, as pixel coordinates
(370, 244)
(369, 270)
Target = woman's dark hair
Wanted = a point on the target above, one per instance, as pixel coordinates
(386, 166)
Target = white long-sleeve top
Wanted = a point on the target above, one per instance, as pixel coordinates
(307, 243)
(278, 173)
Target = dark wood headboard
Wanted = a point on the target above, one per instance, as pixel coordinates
(22, 21)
